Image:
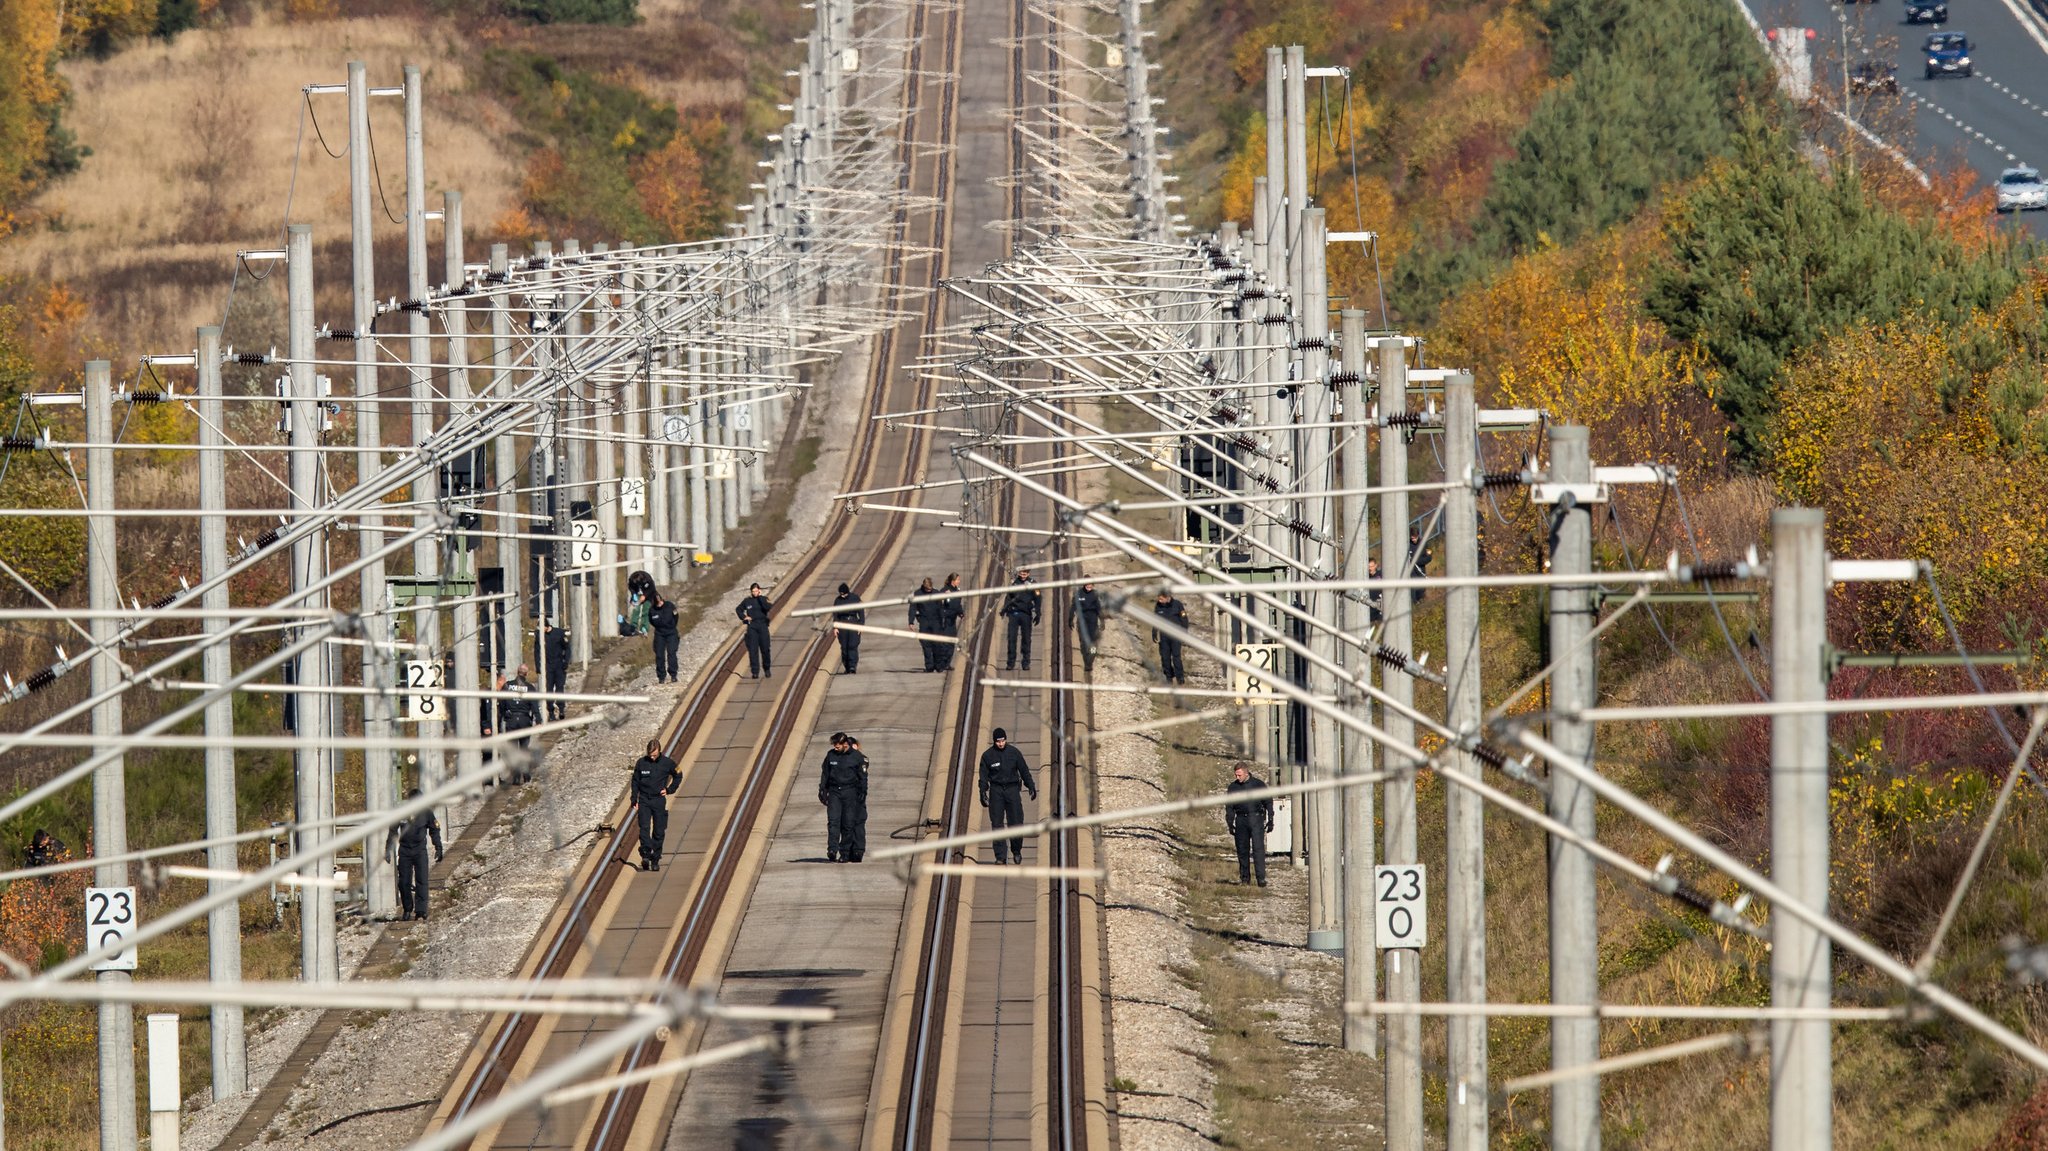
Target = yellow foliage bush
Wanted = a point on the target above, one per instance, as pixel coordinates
(1564, 331)
(1894, 431)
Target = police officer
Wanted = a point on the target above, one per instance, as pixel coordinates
(655, 778)
(43, 850)
(843, 789)
(927, 617)
(1171, 610)
(1420, 556)
(849, 640)
(661, 620)
(555, 647)
(950, 610)
(1088, 622)
(1021, 607)
(1249, 822)
(753, 612)
(516, 712)
(410, 839)
(1002, 772)
(1372, 598)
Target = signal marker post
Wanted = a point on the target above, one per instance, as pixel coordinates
(109, 780)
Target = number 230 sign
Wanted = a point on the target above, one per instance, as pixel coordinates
(109, 919)
(1400, 905)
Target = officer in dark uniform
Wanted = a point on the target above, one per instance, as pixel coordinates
(1088, 623)
(1249, 822)
(410, 839)
(655, 778)
(555, 646)
(927, 617)
(1021, 607)
(753, 612)
(641, 584)
(849, 640)
(1172, 611)
(43, 850)
(661, 620)
(1003, 772)
(516, 712)
(950, 610)
(1420, 556)
(1372, 598)
(843, 789)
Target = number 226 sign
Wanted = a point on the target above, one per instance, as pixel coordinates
(110, 919)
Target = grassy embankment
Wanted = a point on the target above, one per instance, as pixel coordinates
(1607, 211)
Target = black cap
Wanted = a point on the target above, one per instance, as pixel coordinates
(838, 737)
(843, 589)
(1000, 734)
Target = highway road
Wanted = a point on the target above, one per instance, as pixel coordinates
(1993, 119)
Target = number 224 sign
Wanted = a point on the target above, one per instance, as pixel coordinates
(109, 919)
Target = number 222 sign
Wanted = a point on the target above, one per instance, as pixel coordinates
(109, 919)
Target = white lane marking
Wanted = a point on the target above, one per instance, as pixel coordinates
(2014, 95)
(2029, 22)
(1944, 113)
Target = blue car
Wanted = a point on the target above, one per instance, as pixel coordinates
(1926, 11)
(1948, 54)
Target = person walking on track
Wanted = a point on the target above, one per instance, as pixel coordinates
(1420, 556)
(753, 612)
(849, 639)
(655, 778)
(1249, 822)
(410, 839)
(554, 645)
(927, 617)
(1171, 611)
(661, 620)
(517, 712)
(843, 789)
(1022, 606)
(1004, 773)
(950, 611)
(1088, 623)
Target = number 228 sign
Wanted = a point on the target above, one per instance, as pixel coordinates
(110, 919)
(1400, 905)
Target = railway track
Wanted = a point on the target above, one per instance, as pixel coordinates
(933, 1078)
(855, 550)
(972, 935)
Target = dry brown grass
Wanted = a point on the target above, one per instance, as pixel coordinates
(197, 139)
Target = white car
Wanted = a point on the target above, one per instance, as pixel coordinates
(2021, 190)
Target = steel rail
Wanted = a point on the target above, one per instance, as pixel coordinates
(622, 1107)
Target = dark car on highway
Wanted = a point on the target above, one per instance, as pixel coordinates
(1948, 54)
(1874, 76)
(1926, 11)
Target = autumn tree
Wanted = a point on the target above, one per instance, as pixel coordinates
(33, 144)
(1563, 331)
(1922, 439)
(1769, 256)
